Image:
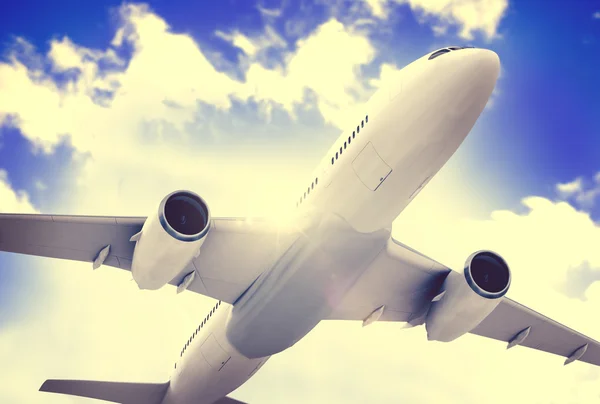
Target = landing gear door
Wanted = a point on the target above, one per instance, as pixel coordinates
(213, 353)
(370, 167)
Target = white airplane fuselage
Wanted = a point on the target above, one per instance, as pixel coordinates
(407, 132)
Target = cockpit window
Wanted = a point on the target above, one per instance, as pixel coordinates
(438, 53)
(454, 47)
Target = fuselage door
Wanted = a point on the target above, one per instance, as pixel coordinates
(213, 353)
(370, 167)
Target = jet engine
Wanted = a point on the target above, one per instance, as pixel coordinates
(170, 239)
(468, 296)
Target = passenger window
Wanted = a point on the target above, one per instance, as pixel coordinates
(336, 155)
(308, 191)
(317, 181)
(312, 186)
(344, 145)
(332, 161)
(362, 124)
(358, 129)
(367, 118)
(305, 195)
(353, 134)
(349, 139)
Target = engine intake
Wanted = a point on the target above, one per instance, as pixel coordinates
(184, 215)
(487, 274)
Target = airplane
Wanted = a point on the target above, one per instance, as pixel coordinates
(338, 261)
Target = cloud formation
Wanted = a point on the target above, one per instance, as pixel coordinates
(12, 201)
(583, 193)
(469, 15)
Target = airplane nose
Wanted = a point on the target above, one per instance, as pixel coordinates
(488, 64)
(472, 82)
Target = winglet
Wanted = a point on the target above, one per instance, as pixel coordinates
(578, 353)
(136, 236)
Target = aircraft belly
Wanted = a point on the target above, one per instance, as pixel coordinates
(302, 288)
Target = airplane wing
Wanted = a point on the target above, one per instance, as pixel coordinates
(235, 252)
(404, 282)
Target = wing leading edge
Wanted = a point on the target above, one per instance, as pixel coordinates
(235, 252)
(405, 282)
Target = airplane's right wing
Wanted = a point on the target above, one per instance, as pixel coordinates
(401, 285)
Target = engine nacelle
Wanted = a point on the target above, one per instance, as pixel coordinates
(170, 239)
(470, 296)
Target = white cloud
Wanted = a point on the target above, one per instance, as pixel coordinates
(40, 185)
(569, 188)
(469, 15)
(377, 7)
(160, 89)
(251, 46)
(339, 53)
(239, 41)
(269, 12)
(582, 192)
(12, 201)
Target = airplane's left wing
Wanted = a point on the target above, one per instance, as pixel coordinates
(403, 285)
(235, 252)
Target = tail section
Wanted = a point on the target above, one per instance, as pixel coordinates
(118, 392)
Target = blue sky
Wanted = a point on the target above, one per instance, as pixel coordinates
(105, 107)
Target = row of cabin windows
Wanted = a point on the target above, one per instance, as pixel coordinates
(337, 155)
(209, 315)
(312, 186)
(349, 141)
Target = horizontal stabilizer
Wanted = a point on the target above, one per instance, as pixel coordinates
(118, 392)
